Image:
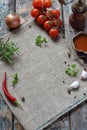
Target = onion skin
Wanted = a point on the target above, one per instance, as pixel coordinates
(12, 21)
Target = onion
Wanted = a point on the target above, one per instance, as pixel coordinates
(12, 20)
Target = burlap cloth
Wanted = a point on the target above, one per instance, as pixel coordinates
(42, 79)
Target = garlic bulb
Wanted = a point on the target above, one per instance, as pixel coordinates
(84, 75)
(74, 85)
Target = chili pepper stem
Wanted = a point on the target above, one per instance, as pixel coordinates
(17, 103)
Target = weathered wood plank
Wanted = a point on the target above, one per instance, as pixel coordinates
(60, 124)
(78, 117)
(75, 120)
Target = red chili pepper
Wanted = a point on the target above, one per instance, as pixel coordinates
(12, 99)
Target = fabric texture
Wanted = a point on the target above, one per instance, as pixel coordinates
(42, 78)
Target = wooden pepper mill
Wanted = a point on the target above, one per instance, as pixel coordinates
(77, 18)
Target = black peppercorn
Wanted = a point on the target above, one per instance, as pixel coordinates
(23, 99)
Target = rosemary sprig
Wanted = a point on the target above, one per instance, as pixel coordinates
(7, 50)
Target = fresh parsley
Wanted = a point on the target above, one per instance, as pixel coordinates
(72, 70)
(15, 79)
(39, 40)
(7, 50)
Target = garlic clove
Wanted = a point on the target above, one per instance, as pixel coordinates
(84, 75)
(74, 85)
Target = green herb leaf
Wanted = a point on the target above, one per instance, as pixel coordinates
(15, 79)
(44, 40)
(39, 40)
(73, 65)
(72, 70)
(7, 50)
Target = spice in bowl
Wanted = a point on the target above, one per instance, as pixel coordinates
(80, 45)
(80, 42)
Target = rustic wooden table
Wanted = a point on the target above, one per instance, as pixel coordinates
(73, 120)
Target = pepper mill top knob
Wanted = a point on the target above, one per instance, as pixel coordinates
(79, 7)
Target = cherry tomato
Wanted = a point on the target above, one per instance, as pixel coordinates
(41, 19)
(57, 22)
(54, 32)
(56, 13)
(35, 12)
(37, 4)
(47, 3)
(49, 14)
(60, 22)
(48, 24)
